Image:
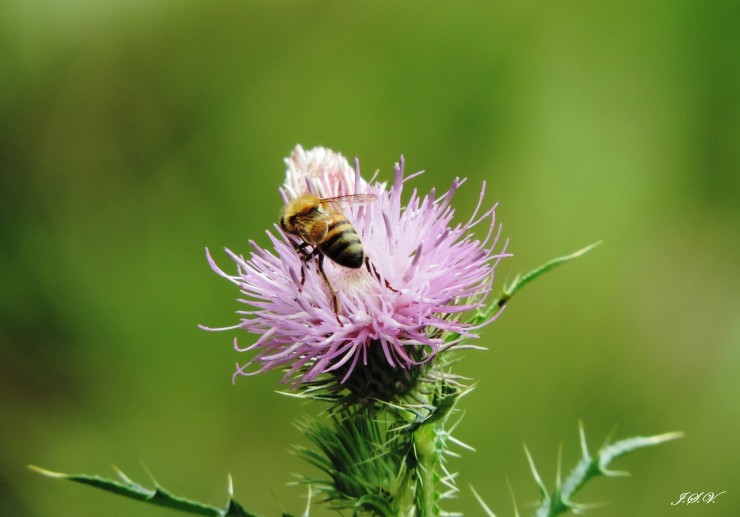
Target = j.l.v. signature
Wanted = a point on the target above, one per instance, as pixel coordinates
(697, 497)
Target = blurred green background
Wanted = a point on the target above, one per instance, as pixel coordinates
(135, 134)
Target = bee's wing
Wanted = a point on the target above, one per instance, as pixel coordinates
(312, 228)
(351, 200)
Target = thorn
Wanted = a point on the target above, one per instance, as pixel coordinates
(536, 475)
(558, 473)
(513, 498)
(308, 503)
(584, 447)
(291, 395)
(609, 436)
(615, 473)
(486, 509)
(149, 473)
(121, 475)
(585, 250)
(666, 437)
(461, 444)
(581, 508)
(47, 473)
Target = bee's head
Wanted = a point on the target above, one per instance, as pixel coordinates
(287, 221)
(288, 224)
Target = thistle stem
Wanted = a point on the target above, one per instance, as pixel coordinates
(427, 450)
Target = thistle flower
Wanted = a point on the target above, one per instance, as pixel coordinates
(426, 273)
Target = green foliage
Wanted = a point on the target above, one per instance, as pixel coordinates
(368, 461)
(385, 459)
(561, 499)
(156, 496)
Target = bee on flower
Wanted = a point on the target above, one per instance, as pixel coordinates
(398, 279)
(322, 224)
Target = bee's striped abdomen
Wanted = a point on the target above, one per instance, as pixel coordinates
(342, 244)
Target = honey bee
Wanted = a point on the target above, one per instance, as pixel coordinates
(319, 222)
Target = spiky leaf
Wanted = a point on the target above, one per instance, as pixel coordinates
(157, 496)
(561, 499)
(487, 313)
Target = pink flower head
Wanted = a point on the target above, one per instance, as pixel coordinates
(426, 274)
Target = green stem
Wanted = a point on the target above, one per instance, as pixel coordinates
(427, 450)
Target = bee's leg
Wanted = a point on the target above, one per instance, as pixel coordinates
(301, 248)
(373, 271)
(334, 299)
(305, 257)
